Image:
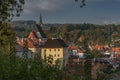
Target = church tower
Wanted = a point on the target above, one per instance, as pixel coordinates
(40, 34)
(40, 20)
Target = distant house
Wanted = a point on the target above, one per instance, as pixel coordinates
(107, 53)
(32, 42)
(80, 53)
(56, 48)
(20, 52)
(73, 50)
(116, 51)
(77, 51)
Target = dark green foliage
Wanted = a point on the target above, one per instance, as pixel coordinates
(78, 74)
(16, 68)
(10, 8)
(50, 59)
(102, 76)
(82, 33)
(82, 2)
(88, 65)
(88, 70)
(96, 53)
(7, 38)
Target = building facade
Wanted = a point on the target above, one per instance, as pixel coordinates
(55, 48)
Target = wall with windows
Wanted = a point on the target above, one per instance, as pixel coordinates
(57, 53)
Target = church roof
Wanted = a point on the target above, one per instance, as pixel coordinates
(55, 43)
(28, 43)
(39, 29)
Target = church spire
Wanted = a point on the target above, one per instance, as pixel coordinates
(40, 21)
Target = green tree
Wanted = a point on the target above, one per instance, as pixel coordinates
(96, 53)
(82, 2)
(88, 65)
(7, 38)
(10, 8)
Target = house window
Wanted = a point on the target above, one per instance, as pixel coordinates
(54, 49)
(58, 49)
(44, 50)
(50, 49)
(58, 55)
(55, 55)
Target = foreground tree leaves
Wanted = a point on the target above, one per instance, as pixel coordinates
(82, 3)
(7, 38)
(10, 8)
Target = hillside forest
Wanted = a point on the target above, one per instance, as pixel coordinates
(79, 33)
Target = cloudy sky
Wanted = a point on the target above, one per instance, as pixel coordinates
(68, 11)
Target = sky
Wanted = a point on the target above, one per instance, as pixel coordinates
(69, 11)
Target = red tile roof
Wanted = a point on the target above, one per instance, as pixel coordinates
(32, 35)
(116, 49)
(100, 47)
(80, 51)
(73, 47)
(27, 42)
(30, 44)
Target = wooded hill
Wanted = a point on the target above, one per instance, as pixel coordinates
(78, 33)
(82, 33)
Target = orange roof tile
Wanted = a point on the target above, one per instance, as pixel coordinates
(80, 51)
(100, 47)
(27, 41)
(73, 47)
(117, 49)
(32, 35)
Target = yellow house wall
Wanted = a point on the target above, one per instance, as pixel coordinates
(57, 53)
(33, 49)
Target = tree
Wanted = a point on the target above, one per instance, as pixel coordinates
(7, 38)
(10, 8)
(88, 65)
(82, 3)
(96, 53)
